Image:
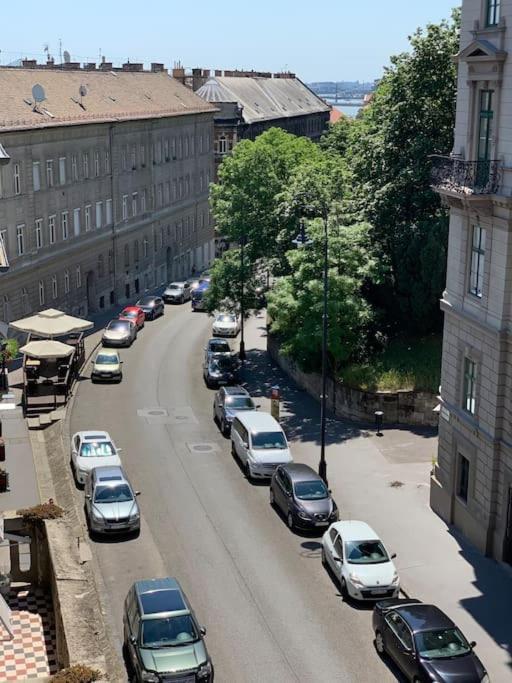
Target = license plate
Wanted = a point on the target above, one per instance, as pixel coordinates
(379, 591)
(321, 523)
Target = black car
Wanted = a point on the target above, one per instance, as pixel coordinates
(302, 496)
(227, 402)
(220, 369)
(153, 306)
(425, 643)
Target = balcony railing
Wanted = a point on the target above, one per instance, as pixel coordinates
(451, 174)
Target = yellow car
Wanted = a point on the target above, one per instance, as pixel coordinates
(106, 367)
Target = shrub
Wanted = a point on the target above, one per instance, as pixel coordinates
(38, 513)
(78, 673)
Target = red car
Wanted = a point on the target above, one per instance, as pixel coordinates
(134, 314)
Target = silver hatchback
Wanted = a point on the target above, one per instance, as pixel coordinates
(110, 502)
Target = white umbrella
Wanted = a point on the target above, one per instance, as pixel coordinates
(47, 348)
(51, 323)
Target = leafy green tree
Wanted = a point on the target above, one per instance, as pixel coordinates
(338, 137)
(225, 291)
(295, 305)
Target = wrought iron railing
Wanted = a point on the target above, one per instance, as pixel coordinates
(453, 174)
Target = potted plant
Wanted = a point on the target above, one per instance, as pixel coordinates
(8, 351)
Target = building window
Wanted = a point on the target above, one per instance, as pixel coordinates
(167, 193)
(180, 147)
(25, 304)
(20, 239)
(166, 149)
(485, 126)
(99, 214)
(192, 146)
(107, 161)
(173, 148)
(17, 179)
(160, 194)
(51, 229)
(223, 144)
(126, 256)
(185, 145)
(136, 251)
(174, 190)
(87, 214)
(64, 224)
(49, 172)
(76, 221)
(469, 396)
(145, 247)
(96, 164)
(101, 266)
(493, 12)
(187, 185)
(36, 175)
(142, 155)
(85, 164)
(463, 478)
(134, 204)
(476, 277)
(125, 207)
(108, 212)
(143, 201)
(41, 293)
(74, 167)
(39, 233)
(66, 282)
(78, 274)
(54, 287)
(62, 170)
(6, 312)
(123, 159)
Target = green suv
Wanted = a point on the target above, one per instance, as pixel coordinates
(162, 639)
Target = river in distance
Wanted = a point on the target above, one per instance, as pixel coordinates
(346, 109)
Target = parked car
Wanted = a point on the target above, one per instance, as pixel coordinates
(162, 638)
(220, 368)
(216, 346)
(359, 561)
(177, 293)
(106, 367)
(119, 333)
(110, 502)
(198, 302)
(302, 496)
(194, 283)
(135, 314)
(260, 444)
(91, 449)
(153, 306)
(228, 402)
(425, 643)
(226, 325)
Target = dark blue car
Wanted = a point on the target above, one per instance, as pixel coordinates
(198, 296)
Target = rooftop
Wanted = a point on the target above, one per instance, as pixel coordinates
(75, 96)
(422, 617)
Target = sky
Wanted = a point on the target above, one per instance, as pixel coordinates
(319, 41)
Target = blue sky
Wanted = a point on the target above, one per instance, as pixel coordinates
(339, 40)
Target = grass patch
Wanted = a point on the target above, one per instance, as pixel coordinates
(408, 364)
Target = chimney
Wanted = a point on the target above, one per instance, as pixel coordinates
(29, 63)
(127, 66)
(105, 66)
(218, 72)
(178, 72)
(156, 67)
(50, 62)
(229, 73)
(90, 66)
(284, 74)
(198, 78)
(70, 65)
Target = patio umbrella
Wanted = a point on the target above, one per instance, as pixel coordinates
(47, 348)
(51, 323)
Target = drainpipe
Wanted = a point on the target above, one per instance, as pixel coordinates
(112, 194)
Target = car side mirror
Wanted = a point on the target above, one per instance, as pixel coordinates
(329, 490)
(245, 444)
(121, 362)
(202, 630)
(258, 405)
(137, 493)
(393, 556)
(133, 640)
(337, 558)
(472, 644)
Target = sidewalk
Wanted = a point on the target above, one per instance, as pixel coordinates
(385, 482)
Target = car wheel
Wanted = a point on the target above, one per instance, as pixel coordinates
(233, 451)
(379, 644)
(247, 471)
(223, 427)
(271, 497)
(344, 591)
(290, 522)
(324, 558)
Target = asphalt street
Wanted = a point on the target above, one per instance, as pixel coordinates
(271, 611)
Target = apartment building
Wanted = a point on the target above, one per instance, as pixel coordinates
(103, 185)
(472, 481)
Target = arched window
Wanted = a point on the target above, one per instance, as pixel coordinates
(55, 290)
(25, 304)
(101, 266)
(223, 144)
(136, 251)
(6, 309)
(126, 255)
(41, 293)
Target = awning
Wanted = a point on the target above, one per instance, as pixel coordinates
(51, 323)
(47, 348)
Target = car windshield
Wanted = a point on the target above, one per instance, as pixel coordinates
(145, 301)
(221, 365)
(311, 490)
(239, 402)
(226, 318)
(168, 632)
(118, 325)
(219, 347)
(440, 644)
(268, 440)
(113, 494)
(174, 286)
(365, 552)
(106, 359)
(129, 314)
(97, 449)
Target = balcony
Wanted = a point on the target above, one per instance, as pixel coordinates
(458, 177)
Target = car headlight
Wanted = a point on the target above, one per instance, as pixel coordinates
(395, 579)
(134, 515)
(303, 515)
(486, 679)
(150, 677)
(205, 670)
(356, 580)
(97, 516)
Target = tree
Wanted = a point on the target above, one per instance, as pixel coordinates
(337, 138)
(225, 291)
(295, 305)
(411, 116)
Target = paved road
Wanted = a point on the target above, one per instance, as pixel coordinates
(272, 612)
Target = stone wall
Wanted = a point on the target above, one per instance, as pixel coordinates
(399, 407)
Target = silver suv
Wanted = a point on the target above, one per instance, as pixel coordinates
(110, 502)
(162, 639)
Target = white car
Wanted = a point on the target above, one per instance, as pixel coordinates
(359, 561)
(226, 325)
(92, 449)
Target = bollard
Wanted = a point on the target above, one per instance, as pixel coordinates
(2, 450)
(4, 481)
(378, 421)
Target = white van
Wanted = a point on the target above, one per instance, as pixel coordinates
(260, 443)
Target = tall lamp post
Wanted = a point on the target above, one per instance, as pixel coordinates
(241, 353)
(302, 240)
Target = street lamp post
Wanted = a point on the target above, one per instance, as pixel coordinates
(241, 353)
(302, 240)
